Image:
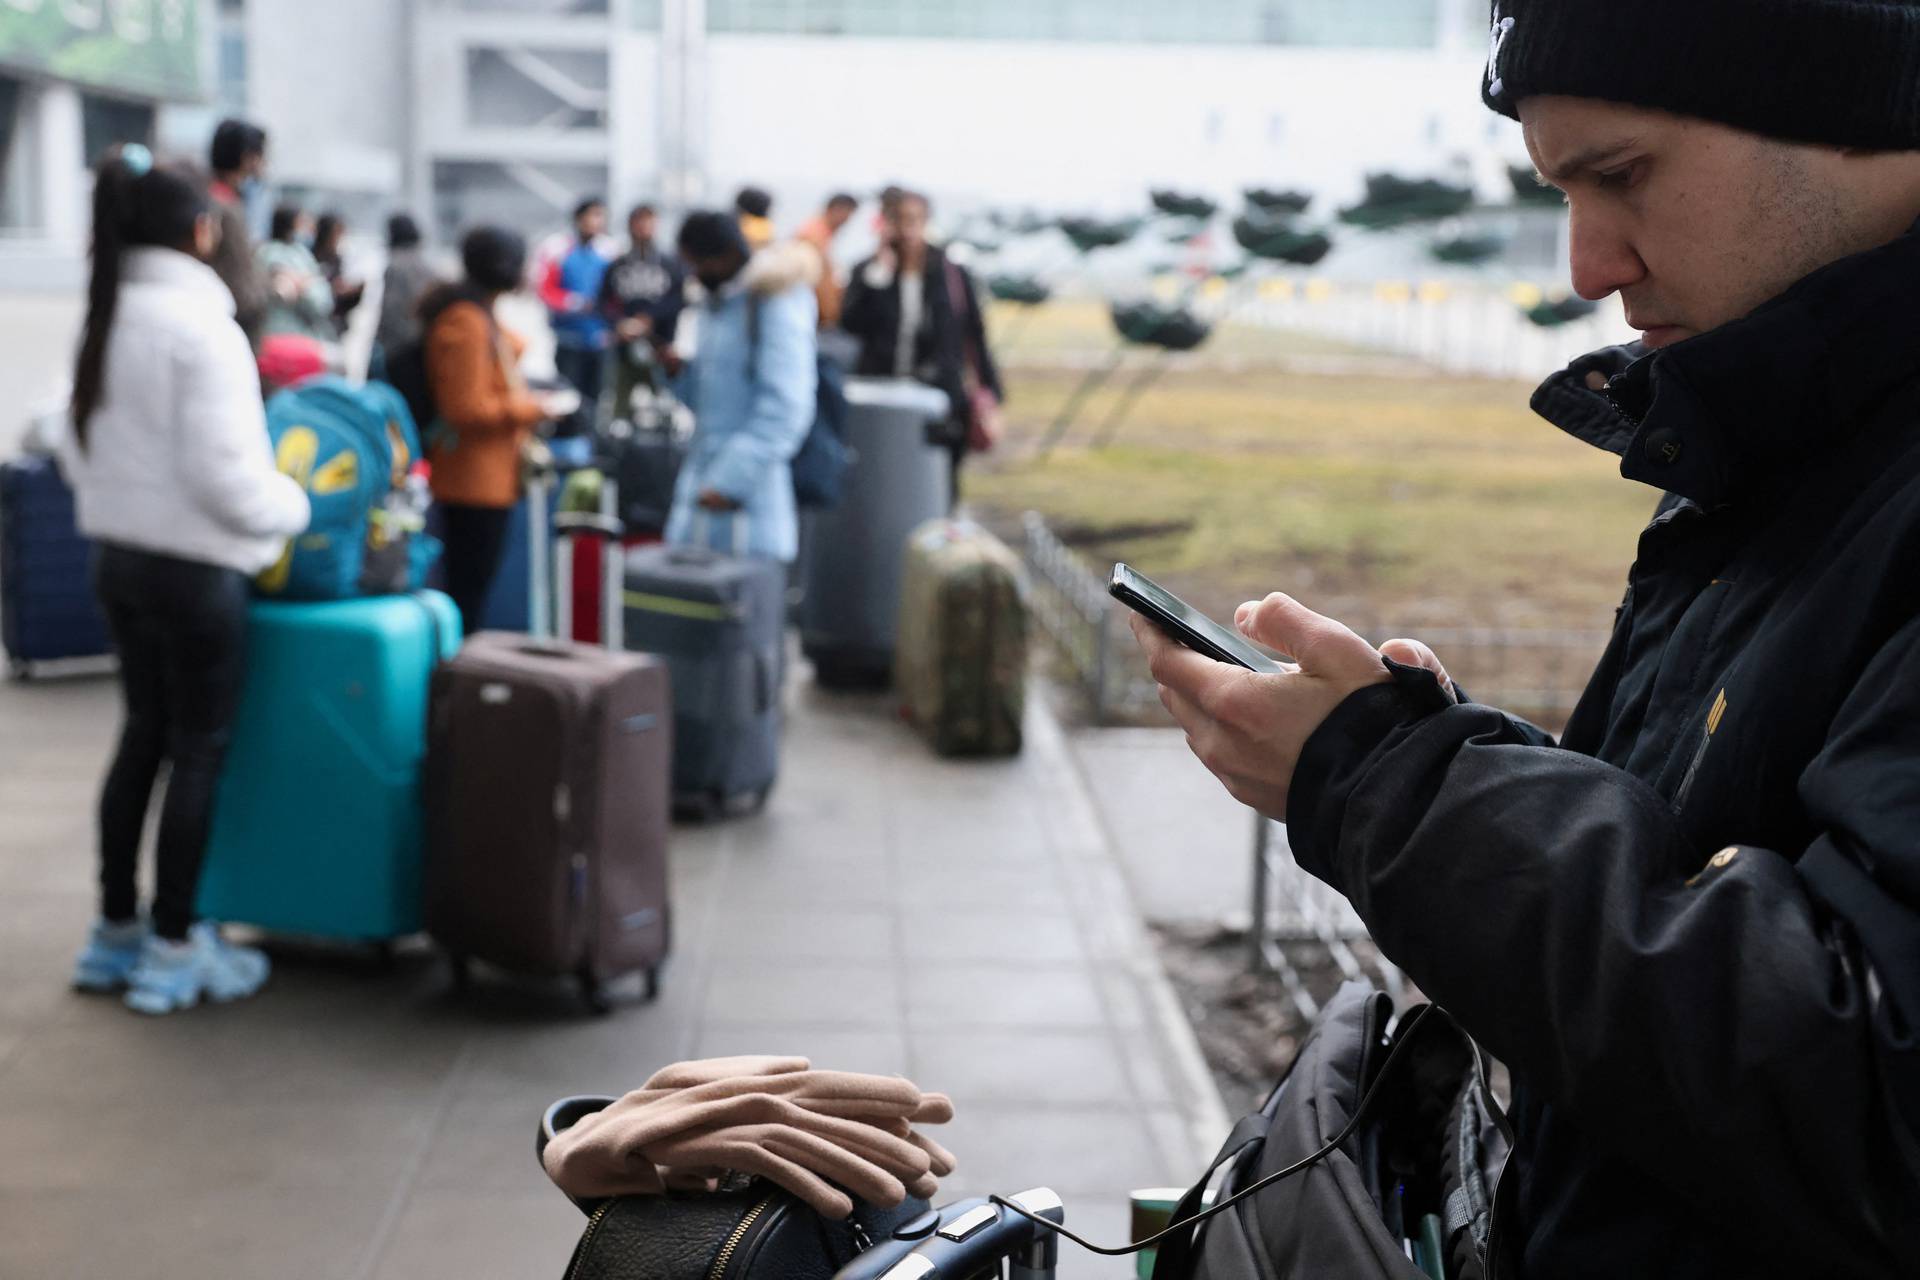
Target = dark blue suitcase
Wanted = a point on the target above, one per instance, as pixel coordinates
(510, 598)
(719, 621)
(47, 606)
(509, 605)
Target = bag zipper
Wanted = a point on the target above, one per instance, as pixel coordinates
(1504, 1121)
(1714, 713)
(586, 1239)
(739, 1233)
(1493, 1221)
(1693, 768)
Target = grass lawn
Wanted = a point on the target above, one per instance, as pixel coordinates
(1394, 502)
(1439, 501)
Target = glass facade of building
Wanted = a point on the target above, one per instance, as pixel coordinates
(1373, 24)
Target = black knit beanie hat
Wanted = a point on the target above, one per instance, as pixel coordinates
(1843, 72)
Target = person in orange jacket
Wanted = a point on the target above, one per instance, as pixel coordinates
(484, 413)
(819, 231)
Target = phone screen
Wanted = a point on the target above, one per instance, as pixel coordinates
(1186, 624)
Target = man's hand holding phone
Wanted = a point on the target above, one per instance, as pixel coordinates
(1248, 728)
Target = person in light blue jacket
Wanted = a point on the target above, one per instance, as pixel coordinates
(751, 385)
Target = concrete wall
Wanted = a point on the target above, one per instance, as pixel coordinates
(347, 97)
(1086, 126)
(330, 82)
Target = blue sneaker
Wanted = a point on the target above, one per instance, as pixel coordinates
(109, 957)
(178, 975)
(238, 971)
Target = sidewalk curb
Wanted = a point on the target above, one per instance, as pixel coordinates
(1123, 952)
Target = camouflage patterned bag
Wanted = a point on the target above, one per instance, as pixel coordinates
(961, 661)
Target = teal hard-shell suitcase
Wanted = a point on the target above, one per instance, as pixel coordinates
(318, 825)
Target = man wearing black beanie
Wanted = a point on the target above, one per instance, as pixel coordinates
(1691, 924)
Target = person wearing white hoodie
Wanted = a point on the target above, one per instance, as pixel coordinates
(174, 480)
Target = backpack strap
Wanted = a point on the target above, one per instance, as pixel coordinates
(1174, 1257)
(753, 336)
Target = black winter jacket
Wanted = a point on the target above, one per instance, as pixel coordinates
(873, 315)
(1692, 926)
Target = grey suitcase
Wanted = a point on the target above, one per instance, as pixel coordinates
(854, 552)
(718, 621)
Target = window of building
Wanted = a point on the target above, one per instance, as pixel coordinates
(18, 197)
(105, 121)
(536, 8)
(231, 88)
(1411, 24)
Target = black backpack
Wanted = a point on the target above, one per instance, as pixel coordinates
(407, 374)
(820, 465)
(1415, 1170)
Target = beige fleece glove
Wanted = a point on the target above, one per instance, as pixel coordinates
(773, 1117)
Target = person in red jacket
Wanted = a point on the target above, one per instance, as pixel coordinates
(570, 286)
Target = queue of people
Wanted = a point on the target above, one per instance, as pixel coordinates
(176, 483)
(911, 309)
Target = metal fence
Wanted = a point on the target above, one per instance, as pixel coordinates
(1536, 672)
(1290, 906)
(1071, 604)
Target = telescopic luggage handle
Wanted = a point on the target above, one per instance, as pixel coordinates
(967, 1238)
(568, 526)
(573, 523)
(561, 1116)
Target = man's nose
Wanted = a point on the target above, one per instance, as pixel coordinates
(1603, 259)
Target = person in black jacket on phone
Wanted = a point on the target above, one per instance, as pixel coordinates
(917, 315)
(1690, 924)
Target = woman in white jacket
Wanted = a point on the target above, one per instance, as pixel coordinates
(174, 480)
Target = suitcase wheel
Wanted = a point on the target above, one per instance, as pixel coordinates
(20, 670)
(711, 806)
(462, 971)
(593, 993)
(652, 989)
(698, 806)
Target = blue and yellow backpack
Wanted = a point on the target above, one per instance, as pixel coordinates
(352, 448)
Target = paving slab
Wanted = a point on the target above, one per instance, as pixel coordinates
(967, 924)
(1185, 844)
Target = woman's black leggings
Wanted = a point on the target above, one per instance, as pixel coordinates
(179, 627)
(475, 539)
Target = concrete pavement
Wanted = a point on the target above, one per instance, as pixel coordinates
(1185, 845)
(966, 924)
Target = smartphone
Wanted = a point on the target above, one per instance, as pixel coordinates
(1187, 624)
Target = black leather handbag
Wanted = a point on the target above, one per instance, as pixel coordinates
(750, 1229)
